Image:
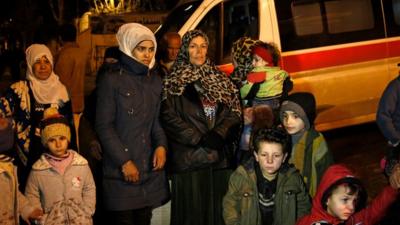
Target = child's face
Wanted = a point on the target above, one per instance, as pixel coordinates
(292, 122)
(258, 61)
(341, 204)
(270, 156)
(57, 145)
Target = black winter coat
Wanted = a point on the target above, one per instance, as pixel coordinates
(127, 123)
(185, 124)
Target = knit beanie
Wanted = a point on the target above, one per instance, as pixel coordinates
(303, 104)
(6, 135)
(54, 124)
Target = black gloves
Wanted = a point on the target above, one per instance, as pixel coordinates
(212, 140)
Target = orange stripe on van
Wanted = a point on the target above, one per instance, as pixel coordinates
(335, 57)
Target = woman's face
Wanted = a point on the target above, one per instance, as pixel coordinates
(198, 51)
(144, 52)
(42, 68)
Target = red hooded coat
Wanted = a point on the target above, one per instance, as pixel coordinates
(370, 215)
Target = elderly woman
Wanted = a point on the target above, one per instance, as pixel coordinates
(134, 144)
(199, 113)
(26, 100)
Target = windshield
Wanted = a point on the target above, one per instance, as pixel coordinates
(177, 17)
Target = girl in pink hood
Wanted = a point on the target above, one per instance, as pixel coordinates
(340, 199)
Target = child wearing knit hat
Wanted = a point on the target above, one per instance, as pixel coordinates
(61, 182)
(13, 202)
(266, 83)
(310, 152)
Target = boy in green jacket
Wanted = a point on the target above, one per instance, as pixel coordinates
(266, 189)
(310, 153)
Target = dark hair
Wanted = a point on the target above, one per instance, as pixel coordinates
(273, 50)
(263, 117)
(68, 32)
(354, 186)
(271, 135)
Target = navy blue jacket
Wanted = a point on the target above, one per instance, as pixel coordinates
(388, 115)
(127, 112)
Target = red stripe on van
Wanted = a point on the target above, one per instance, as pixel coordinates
(394, 48)
(335, 57)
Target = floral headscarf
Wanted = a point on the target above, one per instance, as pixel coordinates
(130, 35)
(217, 86)
(51, 90)
(241, 53)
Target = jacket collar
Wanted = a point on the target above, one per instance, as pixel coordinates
(43, 164)
(285, 170)
(133, 66)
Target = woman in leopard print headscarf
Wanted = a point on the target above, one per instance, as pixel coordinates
(242, 59)
(200, 111)
(217, 86)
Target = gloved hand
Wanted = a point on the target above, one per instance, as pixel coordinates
(212, 140)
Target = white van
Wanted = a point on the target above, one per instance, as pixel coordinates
(343, 51)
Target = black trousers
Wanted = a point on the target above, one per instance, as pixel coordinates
(131, 217)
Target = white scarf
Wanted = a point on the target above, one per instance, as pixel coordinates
(130, 35)
(51, 90)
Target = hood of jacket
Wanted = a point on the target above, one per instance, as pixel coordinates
(331, 176)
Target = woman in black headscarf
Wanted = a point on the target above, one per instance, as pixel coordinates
(200, 112)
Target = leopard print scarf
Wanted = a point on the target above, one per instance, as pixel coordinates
(218, 88)
(241, 53)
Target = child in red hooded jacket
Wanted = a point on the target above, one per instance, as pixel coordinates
(340, 199)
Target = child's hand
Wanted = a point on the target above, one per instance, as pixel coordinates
(35, 216)
(394, 178)
(248, 115)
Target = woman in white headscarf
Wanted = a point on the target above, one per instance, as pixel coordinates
(26, 100)
(134, 144)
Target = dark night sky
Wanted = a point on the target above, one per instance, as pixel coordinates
(13, 8)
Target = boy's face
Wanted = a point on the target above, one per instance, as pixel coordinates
(57, 145)
(258, 61)
(341, 204)
(292, 122)
(270, 156)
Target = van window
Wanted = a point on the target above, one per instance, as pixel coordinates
(240, 18)
(314, 23)
(176, 18)
(308, 19)
(210, 25)
(392, 17)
